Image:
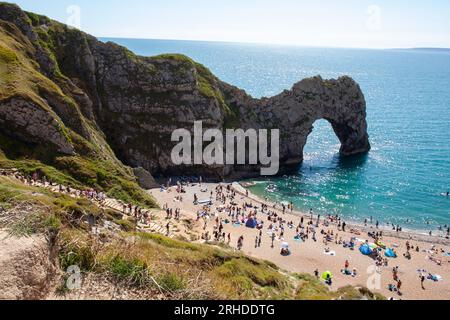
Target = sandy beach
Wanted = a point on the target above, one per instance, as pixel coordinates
(308, 256)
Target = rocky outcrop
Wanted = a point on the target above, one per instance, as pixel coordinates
(136, 103)
(145, 179)
(26, 121)
(340, 102)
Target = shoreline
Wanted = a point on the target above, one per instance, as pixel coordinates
(407, 234)
(311, 253)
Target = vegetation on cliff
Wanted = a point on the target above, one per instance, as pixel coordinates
(154, 264)
(91, 163)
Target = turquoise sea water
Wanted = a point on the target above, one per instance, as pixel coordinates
(408, 103)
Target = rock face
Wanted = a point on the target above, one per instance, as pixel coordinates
(340, 102)
(135, 102)
(145, 179)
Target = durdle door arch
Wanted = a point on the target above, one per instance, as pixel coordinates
(340, 102)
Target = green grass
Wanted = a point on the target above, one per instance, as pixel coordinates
(132, 269)
(77, 172)
(8, 56)
(171, 282)
(50, 211)
(169, 243)
(310, 288)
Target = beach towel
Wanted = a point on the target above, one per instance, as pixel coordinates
(435, 278)
(346, 272)
(331, 253)
(208, 201)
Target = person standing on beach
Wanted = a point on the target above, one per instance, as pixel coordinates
(316, 273)
(422, 280)
(343, 226)
(399, 286)
(168, 228)
(395, 274)
(240, 242)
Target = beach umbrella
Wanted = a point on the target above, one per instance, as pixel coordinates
(326, 275)
(390, 253)
(365, 250)
(285, 245)
(251, 223)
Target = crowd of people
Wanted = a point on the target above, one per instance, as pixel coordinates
(38, 179)
(271, 222)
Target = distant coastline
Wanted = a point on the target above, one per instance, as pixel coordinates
(425, 49)
(292, 45)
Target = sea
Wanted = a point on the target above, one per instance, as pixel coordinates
(403, 179)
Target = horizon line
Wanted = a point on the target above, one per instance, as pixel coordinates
(278, 44)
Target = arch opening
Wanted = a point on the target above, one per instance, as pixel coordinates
(322, 146)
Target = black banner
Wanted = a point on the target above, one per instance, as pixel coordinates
(173, 310)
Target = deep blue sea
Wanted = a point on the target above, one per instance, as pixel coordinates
(408, 103)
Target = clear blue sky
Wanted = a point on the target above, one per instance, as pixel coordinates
(345, 23)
